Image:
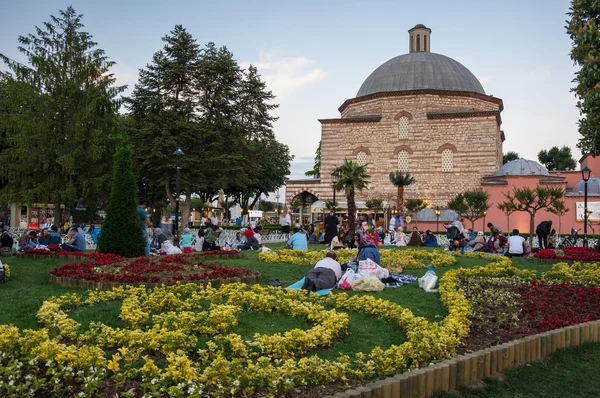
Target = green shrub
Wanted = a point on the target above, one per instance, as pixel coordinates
(121, 231)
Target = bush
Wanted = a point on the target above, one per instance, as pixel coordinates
(121, 231)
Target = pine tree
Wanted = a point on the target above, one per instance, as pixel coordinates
(60, 112)
(121, 231)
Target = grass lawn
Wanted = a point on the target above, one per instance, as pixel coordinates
(571, 371)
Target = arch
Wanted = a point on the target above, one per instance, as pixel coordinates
(404, 148)
(446, 146)
(306, 196)
(418, 43)
(361, 149)
(403, 114)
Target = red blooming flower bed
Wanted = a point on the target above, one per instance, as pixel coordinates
(570, 254)
(552, 306)
(167, 269)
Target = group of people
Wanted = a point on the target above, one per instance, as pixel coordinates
(49, 239)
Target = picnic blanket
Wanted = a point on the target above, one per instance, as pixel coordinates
(396, 280)
(298, 285)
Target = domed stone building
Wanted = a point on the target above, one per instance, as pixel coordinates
(421, 112)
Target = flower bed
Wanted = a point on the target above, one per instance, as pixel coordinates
(392, 259)
(106, 271)
(569, 254)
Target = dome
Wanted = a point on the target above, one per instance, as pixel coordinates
(418, 71)
(593, 186)
(522, 167)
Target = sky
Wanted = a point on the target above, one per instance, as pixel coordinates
(315, 54)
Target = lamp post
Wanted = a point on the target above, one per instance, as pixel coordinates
(585, 175)
(277, 198)
(334, 180)
(437, 219)
(178, 155)
(483, 228)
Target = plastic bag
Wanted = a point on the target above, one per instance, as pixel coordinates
(370, 267)
(368, 284)
(429, 280)
(345, 285)
(347, 277)
(168, 247)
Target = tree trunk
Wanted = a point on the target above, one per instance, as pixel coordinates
(508, 223)
(351, 210)
(400, 198)
(185, 208)
(531, 226)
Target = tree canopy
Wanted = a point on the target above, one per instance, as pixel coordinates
(582, 28)
(401, 180)
(557, 158)
(350, 177)
(509, 157)
(316, 170)
(59, 116)
(470, 204)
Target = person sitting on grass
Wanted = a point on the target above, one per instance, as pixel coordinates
(53, 239)
(158, 239)
(32, 241)
(76, 242)
(251, 241)
(336, 242)
(298, 240)
(429, 240)
(415, 238)
(314, 237)
(6, 240)
(496, 243)
(367, 250)
(325, 274)
(516, 245)
(209, 237)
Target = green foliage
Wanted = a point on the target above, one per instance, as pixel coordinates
(266, 206)
(584, 32)
(507, 209)
(531, 200)
(121, 231)
(559, 208)
(557, 159)
(509, 157)
(400, 180)
(59, 115)
(330, 204)
(375, 205)
(349, 177)
(470, 204)
(415, 206)
(316, 171)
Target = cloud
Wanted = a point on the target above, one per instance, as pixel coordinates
(285, 75)
(541, 74)
(125, 75)
(485, 79)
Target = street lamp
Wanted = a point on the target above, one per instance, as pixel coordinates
(334, 180)
(177, 155)
(437, 219)
(277, 198)
(483, 228)
(585, 175)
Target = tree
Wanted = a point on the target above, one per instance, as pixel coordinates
(470, 205)
(401, 180)
(316, 171)
(560, 209)
(415, 206)
(557, 159)
(509, 157)
(60, 116)
(375, 204)
(532, 200)
(121, 231)
(583, 30)
(330, 204)
(349, 177)
(266, 206)
(507, 209)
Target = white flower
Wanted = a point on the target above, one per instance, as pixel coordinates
(10, 383)
(81, 394)
(153, 381)
(191, 390)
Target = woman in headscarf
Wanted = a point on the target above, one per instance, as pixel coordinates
(6, 241)
(367, 250)
(158, 238)
(251, 241)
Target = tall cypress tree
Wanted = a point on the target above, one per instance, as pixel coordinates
(121, 231)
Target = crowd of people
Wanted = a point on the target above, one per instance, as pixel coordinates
(45, 238)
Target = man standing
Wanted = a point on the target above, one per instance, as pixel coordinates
(542, 231)
(214, 220)
(285, 228)
(516, 245)
(145, 223)
(331, 229)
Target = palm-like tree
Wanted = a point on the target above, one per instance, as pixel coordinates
(349, 177)
(400, 180)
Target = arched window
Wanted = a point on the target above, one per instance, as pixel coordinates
(403, 127)
(403, 162)
(447, 160)
(424, 42)
(361, 158)
(418, 43)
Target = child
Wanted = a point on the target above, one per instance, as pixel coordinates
(186, 241)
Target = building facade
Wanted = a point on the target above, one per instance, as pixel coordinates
(422, 113)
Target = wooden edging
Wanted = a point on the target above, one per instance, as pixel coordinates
(107, 285)
(76, 258)
(551, 261)
(468, 368)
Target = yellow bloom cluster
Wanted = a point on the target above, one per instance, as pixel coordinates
(576, 272)
(392, 259)
(6, 271)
